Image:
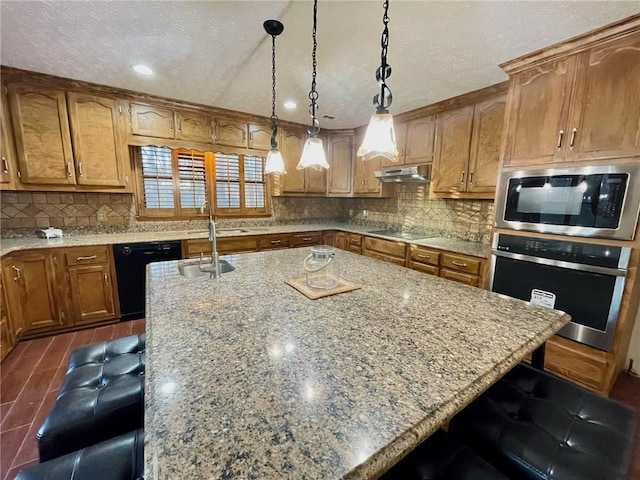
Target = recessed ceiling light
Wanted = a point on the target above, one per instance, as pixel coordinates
(143, 69)
(290, 104)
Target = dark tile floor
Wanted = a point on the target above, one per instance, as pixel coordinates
(32, 373)
(29, 380)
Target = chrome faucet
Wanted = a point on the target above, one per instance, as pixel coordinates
(212, 238)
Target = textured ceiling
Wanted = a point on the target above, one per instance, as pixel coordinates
(217, 53)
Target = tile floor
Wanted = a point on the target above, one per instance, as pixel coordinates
(32, 373)
(30, 377)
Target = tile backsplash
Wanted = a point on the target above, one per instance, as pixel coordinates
(22, 213)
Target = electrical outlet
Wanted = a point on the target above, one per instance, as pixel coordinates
(365, 213)
(102, 217)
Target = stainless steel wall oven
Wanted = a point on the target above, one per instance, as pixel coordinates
(583, 279)
(601, 201)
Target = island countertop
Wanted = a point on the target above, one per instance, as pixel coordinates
(248, 378)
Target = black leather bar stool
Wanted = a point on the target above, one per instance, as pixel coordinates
(442, 457)
(534, 426)
(102, 396)
(119, 458)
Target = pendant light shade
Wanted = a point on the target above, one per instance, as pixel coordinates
(274, 163)
(313, 151)
(380, 138)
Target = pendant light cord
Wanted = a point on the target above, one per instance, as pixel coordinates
(314, 128)
(274, 118)
(382, 101)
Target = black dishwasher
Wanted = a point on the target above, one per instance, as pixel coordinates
(131, 262)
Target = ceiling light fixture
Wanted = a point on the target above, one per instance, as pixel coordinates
(380, 138)
(274, 163)
(143, 69)
(313, 152)
(290, 104)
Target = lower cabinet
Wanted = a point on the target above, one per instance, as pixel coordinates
(461, 268)
(7, 340)
(336, 239)
(424, 260)
(385, 250)
(354, 243)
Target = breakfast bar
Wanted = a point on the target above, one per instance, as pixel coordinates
(248, 378)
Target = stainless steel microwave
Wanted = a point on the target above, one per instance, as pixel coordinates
(601, 201)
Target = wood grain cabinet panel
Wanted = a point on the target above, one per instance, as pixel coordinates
(340, 148)
(460, 277)
(43, 139)
(386, 250)
(228, 245)
(91, 293)
(427, 256)
(306, 239)
(291, 144)
(231, 132)
(259, 136)
(196, 127)
(272, 242)
(98, 149)
(414, 140)
(151, 121)
(7, 149)
(7, 339)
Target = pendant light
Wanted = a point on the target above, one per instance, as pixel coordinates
(313, 152)
(274, 163)
(380, 138)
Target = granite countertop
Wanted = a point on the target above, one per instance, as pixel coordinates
(8, 245)
(247, 378)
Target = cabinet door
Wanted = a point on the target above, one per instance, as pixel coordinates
(91, 293)
(231, 133)
(6, 174)
(419, 141)
(34, 290)
(537, 113)
(259, 137)
(364, 180)
(453, 137)
(401, 141)
(315, 180)
(43, 140)
(7, 340)
(340, 241)
(486, 137)
(192, 126)
(340, 158)
(291, 148)
(98, 148)
(150, 121)
(605, 111)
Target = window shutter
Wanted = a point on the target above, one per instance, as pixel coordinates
(254, 182)
(227, 180)
(156, 177)
(191, 175)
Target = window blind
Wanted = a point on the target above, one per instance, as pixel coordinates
(227, 180)
(191, 175)
(157, 177)
(254, 182)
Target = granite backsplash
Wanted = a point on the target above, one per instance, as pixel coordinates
(23, 213)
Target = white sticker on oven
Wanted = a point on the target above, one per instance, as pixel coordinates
(542, 298)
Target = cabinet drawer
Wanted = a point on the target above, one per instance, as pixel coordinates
(309, 238)
(424, 255)
(86, 255)
(424, 268)
(237, 245)
(579, 367)
(194, 247)
(460, 277)
(384, 258)
(355, 239)
(461, 263)
(355, 249)
(386, 247)
(268, 242)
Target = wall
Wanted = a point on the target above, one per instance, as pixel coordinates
(634, 348)
(22, 213)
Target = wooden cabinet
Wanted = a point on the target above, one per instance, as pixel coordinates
(386, 250)
(91, 289)
(336, 239)
(424, 259)
(7, 339)
(98, 147)
(306, 239)
(306, 181)
(275, 241)
(259, 136)
(354, 243)
(161, 122)
(31, 284)
(7, 149)
(461, 268)
(571, 106)
(467, 151)
(228, 245)
(365, 183)
(414, 139)
(231, 133)
(340, 157)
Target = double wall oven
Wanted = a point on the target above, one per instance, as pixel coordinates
(585, 279)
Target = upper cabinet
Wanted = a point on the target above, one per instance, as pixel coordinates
(568, 107)
(234, 133)
(296, 182)
(67, 139)
(193, 126)
(160, 122)
(414, 139)
(340, 158)
(467, 149)
(8, 157)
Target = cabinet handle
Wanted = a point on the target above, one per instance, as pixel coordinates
(560, 136)
(69, 172)
(307, 239)
(275, 242)
(470, 177)
(406, 152)
(16, 276)
(423, 256)
(460, 264)
(462, 177)
(106, 280)
(5, 165)
(244, 136)
(171, 124)
(179, 125)
(80, 169)
(91, 257)
(573, 137)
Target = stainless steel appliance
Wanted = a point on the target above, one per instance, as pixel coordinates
(599, 201)
(405, 174)
(399, 234)
(583, 279)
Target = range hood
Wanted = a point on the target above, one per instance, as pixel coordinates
(405, 174)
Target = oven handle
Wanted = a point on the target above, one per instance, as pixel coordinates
(618, 272)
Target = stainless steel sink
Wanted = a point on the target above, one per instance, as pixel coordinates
(231, 231)
(192, 270)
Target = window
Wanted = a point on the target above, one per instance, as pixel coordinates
(175, 183)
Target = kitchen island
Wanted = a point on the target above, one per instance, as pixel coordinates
(248, 378)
